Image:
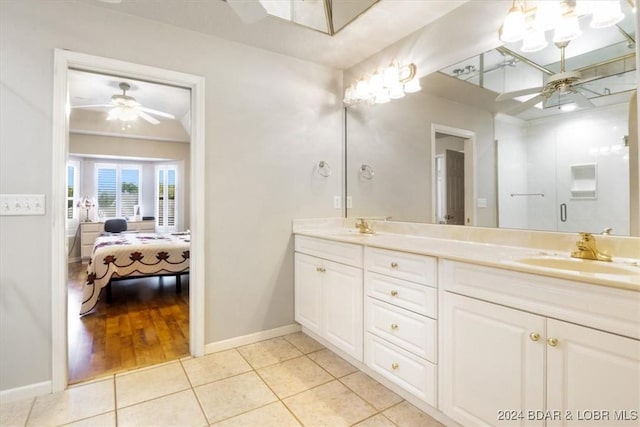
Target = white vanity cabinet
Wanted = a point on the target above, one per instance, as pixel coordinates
(329, 291)
(526, 365)
(400, 319)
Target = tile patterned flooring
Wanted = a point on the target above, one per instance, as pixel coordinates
(286, 381)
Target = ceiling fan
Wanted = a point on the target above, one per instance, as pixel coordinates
(565, 84)
(125, 108)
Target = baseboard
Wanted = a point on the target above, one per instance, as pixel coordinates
(25, 392)
(251, 338)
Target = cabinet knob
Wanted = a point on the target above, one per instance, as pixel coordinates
(394, 326)
(534, 336)
(394, 293)
(394, 264)
(394, 366)
(321, 269)
(552, 342)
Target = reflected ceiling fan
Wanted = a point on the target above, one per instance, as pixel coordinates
(125, 108)
(565, 84)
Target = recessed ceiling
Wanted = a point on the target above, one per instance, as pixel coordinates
(88, 88)
(381, 25)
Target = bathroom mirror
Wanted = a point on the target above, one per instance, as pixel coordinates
(539, 169)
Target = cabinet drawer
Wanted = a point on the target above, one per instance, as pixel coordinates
(411, 331)
(415, 268)
(90, 237)
(344, 253)
(89, 227)
(403, 368)
(412, 296)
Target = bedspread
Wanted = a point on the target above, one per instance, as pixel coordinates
(133, 255)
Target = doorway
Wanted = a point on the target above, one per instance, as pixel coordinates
(453, 184)
(63, 62)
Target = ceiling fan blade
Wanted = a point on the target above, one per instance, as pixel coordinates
(92, 106)
(148, 118)
(580, 100)
(525, 105)
(157, 113)
(517, 93)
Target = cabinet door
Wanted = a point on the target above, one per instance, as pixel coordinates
(343, 294)
(308, 291)
(492, 368)
(592, 376)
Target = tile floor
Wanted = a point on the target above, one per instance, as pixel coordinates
(286, 381)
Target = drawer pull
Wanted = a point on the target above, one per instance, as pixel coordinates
(321, 269)
(394, 264)
(394, 293)
(395, 366)
(394, 326)
(534, 336)
(552, 342)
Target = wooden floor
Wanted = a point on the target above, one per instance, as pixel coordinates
(147, 323)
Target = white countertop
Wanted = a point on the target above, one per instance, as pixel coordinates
(492, 255)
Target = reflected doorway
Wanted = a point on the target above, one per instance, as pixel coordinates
(452, 153)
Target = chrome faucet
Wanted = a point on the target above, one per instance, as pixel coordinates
(363, 227)
(587, 249)
(607, 231)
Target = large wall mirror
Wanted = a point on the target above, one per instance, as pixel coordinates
(529, 156)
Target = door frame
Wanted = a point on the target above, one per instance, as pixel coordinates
(469, 170)
(63, 60)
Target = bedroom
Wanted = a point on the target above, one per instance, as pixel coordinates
(114, 168)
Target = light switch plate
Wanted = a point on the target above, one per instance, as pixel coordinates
(22, 204)
(349, 202)
(481, 203)
(336, 202)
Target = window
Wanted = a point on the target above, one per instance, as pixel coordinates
(73, 190)
(166, 184)
(118, 189)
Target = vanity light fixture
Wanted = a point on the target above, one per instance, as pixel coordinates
(392, 82)
(561, 16)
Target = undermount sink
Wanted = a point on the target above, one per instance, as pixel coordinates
(579, 265)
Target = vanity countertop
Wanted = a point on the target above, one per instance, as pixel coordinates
(622, 273)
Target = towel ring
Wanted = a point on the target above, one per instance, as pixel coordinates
(323, 168)
(366, 172)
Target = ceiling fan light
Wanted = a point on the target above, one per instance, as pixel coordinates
(568, 29)
(547, 15)
(514, 26)
(606, 14)
(568, 107)
(534, 41)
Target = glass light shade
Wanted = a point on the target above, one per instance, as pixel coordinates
(390, 76)
(349, 95)
(513, 28)
(547, 15)
(584, 7)
(534, 41)
(396, 91)
(606, 14)
(375, 83)
(412, 85)
(568, 29)
(362, 89)
(382, 97)
(123, 114)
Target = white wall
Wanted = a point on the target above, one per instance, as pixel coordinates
(269, 120)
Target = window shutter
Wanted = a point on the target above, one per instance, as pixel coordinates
(107, 192)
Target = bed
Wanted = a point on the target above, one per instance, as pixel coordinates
(129, 255)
